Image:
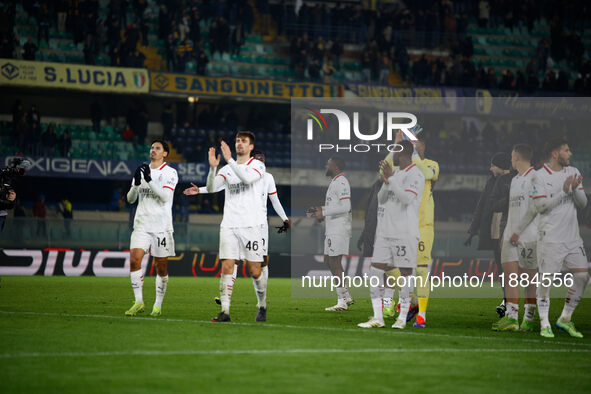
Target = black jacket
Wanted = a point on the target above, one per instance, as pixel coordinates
(368, 235)
(482, 217)
(500, 197)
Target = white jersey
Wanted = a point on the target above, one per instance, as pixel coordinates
(398, 204)
(520, 201)
(152, 214)
(560, 223)
(242, 199)
(269, 189)
(338, 198)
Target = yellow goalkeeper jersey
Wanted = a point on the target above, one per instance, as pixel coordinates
(430, 169)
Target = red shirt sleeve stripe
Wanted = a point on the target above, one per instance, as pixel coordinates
(539, 196)
(168, 187)
(250, 161)
(222, 175)
(344, 198)
(275, 192)
(412, 191)
(258, 171)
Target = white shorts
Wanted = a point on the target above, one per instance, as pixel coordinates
(265, 236)
(158, 244)
(524, 253)
(336, 245)
(554, 257)
(401, 253)
(245, 243)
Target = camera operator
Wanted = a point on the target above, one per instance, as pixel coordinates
(6, 204)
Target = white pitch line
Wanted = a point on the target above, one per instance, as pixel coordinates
(283, 351)
(336, 329)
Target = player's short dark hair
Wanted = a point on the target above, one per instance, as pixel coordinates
(407, 148)
(525, 151)
(421, 137)
(256, 152)
(164, 145)
(554, 144)
(338, 161)
(247, 134)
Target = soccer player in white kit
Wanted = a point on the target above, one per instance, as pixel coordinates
(397, 233)
(518, 251)
(240, 230)
(152, 226)
(269, 191)
(557, 193)
(337, 213)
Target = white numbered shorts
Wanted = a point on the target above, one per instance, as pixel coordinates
(401, 253)
(265, 236)
(157, 244)
(336, 245)
(245, 243)
(524, 253)
(553, 257)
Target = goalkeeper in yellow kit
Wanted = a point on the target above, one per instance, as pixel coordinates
(430, 169)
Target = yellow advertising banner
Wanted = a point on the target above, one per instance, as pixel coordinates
(196, 85)
(73, 76)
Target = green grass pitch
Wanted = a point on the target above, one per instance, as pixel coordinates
(60, 334)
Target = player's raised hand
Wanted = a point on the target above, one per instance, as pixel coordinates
(137, 177)
(226, 152)
(213, 160)
(386, 169)
(191, 191)
(577, 179)
(399, 137)
(567, 184)
(147, 172)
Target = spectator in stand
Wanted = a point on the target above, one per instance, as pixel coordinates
(202, 61)
(336, 51)
(127, 134)
(328, 72)
(137, 60)
(40, 213)
(29, 50)
(384, 69)
(238, 38)
(164, 24)
(184, 52)
(61, 8)
(170, 47)
(8, 46)
(43, 24)
(48, 141)
(314, 71)
(65, 207)
(65, 143)
(195, 32)
(483, 13)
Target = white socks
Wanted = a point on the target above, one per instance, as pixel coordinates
(513, 310)
(530, 311)
(573, 296)
(543, 301)
(388, 296)
(260, 288)
(376, 293)
(405, 296)
(137, 283)
(161, 285)
(226, 288)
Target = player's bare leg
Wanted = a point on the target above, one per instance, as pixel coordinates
(530, 301)
(405, 296)
(260, 288)
(137, 281)
(226, 289)
(161, 284)
(344, 299)
(376, 292)
(510, 322)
